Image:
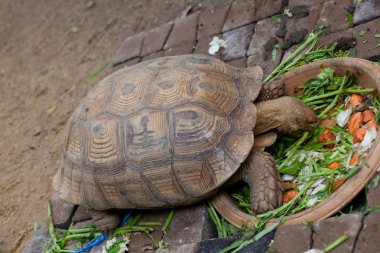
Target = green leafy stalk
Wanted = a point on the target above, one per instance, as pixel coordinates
(129, 229)
(333, 103)
(168, 221)
(293, 55)
(293, 150)
(218, 223)
(336, 243)
(95, 72)
(149, 223)
(51, 229)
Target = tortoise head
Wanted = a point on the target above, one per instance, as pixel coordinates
(298, 117)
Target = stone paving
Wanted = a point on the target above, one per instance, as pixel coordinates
(251, 29)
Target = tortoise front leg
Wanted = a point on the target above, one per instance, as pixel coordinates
(274, 89)
(105, 221)
(260, 172)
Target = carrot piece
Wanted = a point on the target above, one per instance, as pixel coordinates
(338, 183)
(354, 159)
(368, 115)
(355, 100)
(326, 136)
(355, 122)
(289, 195)
(359, 135)
(288, 186)
(327, 122)
(333, 166)
(371, 123)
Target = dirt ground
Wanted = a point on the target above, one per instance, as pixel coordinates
(47, 50)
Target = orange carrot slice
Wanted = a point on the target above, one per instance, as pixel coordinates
(333, 166)
(355, 99)
(354, 159)
(327, 122)
(359, 135)
(368, 115)
(289, 195)
(326, 136)
(337, 183)
(355, 122)
(287, 186)
(372, 123)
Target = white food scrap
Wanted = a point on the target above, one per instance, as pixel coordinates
(343, 117)
(215, 45)
(369, 138)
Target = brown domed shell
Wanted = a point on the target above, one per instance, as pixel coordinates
(162, 133)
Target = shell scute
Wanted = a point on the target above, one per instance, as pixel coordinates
(216, 92)
(196, 130)
(147, 137)
(129, 92)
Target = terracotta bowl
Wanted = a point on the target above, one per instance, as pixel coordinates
(368, 76)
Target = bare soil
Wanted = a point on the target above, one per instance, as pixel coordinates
(47, 50)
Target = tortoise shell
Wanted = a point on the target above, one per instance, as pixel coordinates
(163, 133)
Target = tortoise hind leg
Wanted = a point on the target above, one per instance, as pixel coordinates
(105, 221)
(260, 172)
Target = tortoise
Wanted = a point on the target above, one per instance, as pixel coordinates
(170, 132)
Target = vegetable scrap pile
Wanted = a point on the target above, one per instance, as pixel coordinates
(318, 163)
(83, 239)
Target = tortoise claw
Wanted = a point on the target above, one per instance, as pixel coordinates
(104, 220)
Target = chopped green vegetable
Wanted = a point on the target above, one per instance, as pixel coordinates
(361, 33)
(375, 181)
(96, 71)
(276, 17)
(168, 221)
(51, 110)
(349, 19)
(336, 243)
(274, 51)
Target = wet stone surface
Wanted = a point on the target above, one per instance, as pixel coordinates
(38, 241)
(368, 240)
(211, 22)
(292, 239)
(155, 38)
(332, 19)
(130, 48)
(62, 211)
(241, 13)
(366, 10)
(184, 31)
(329, 230)
(237, 43)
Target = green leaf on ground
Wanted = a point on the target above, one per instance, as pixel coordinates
(349, 19)
(361, 33)
(96, 71)
(274, 51)
(51, 110)
(276, 17)
(376, 35)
